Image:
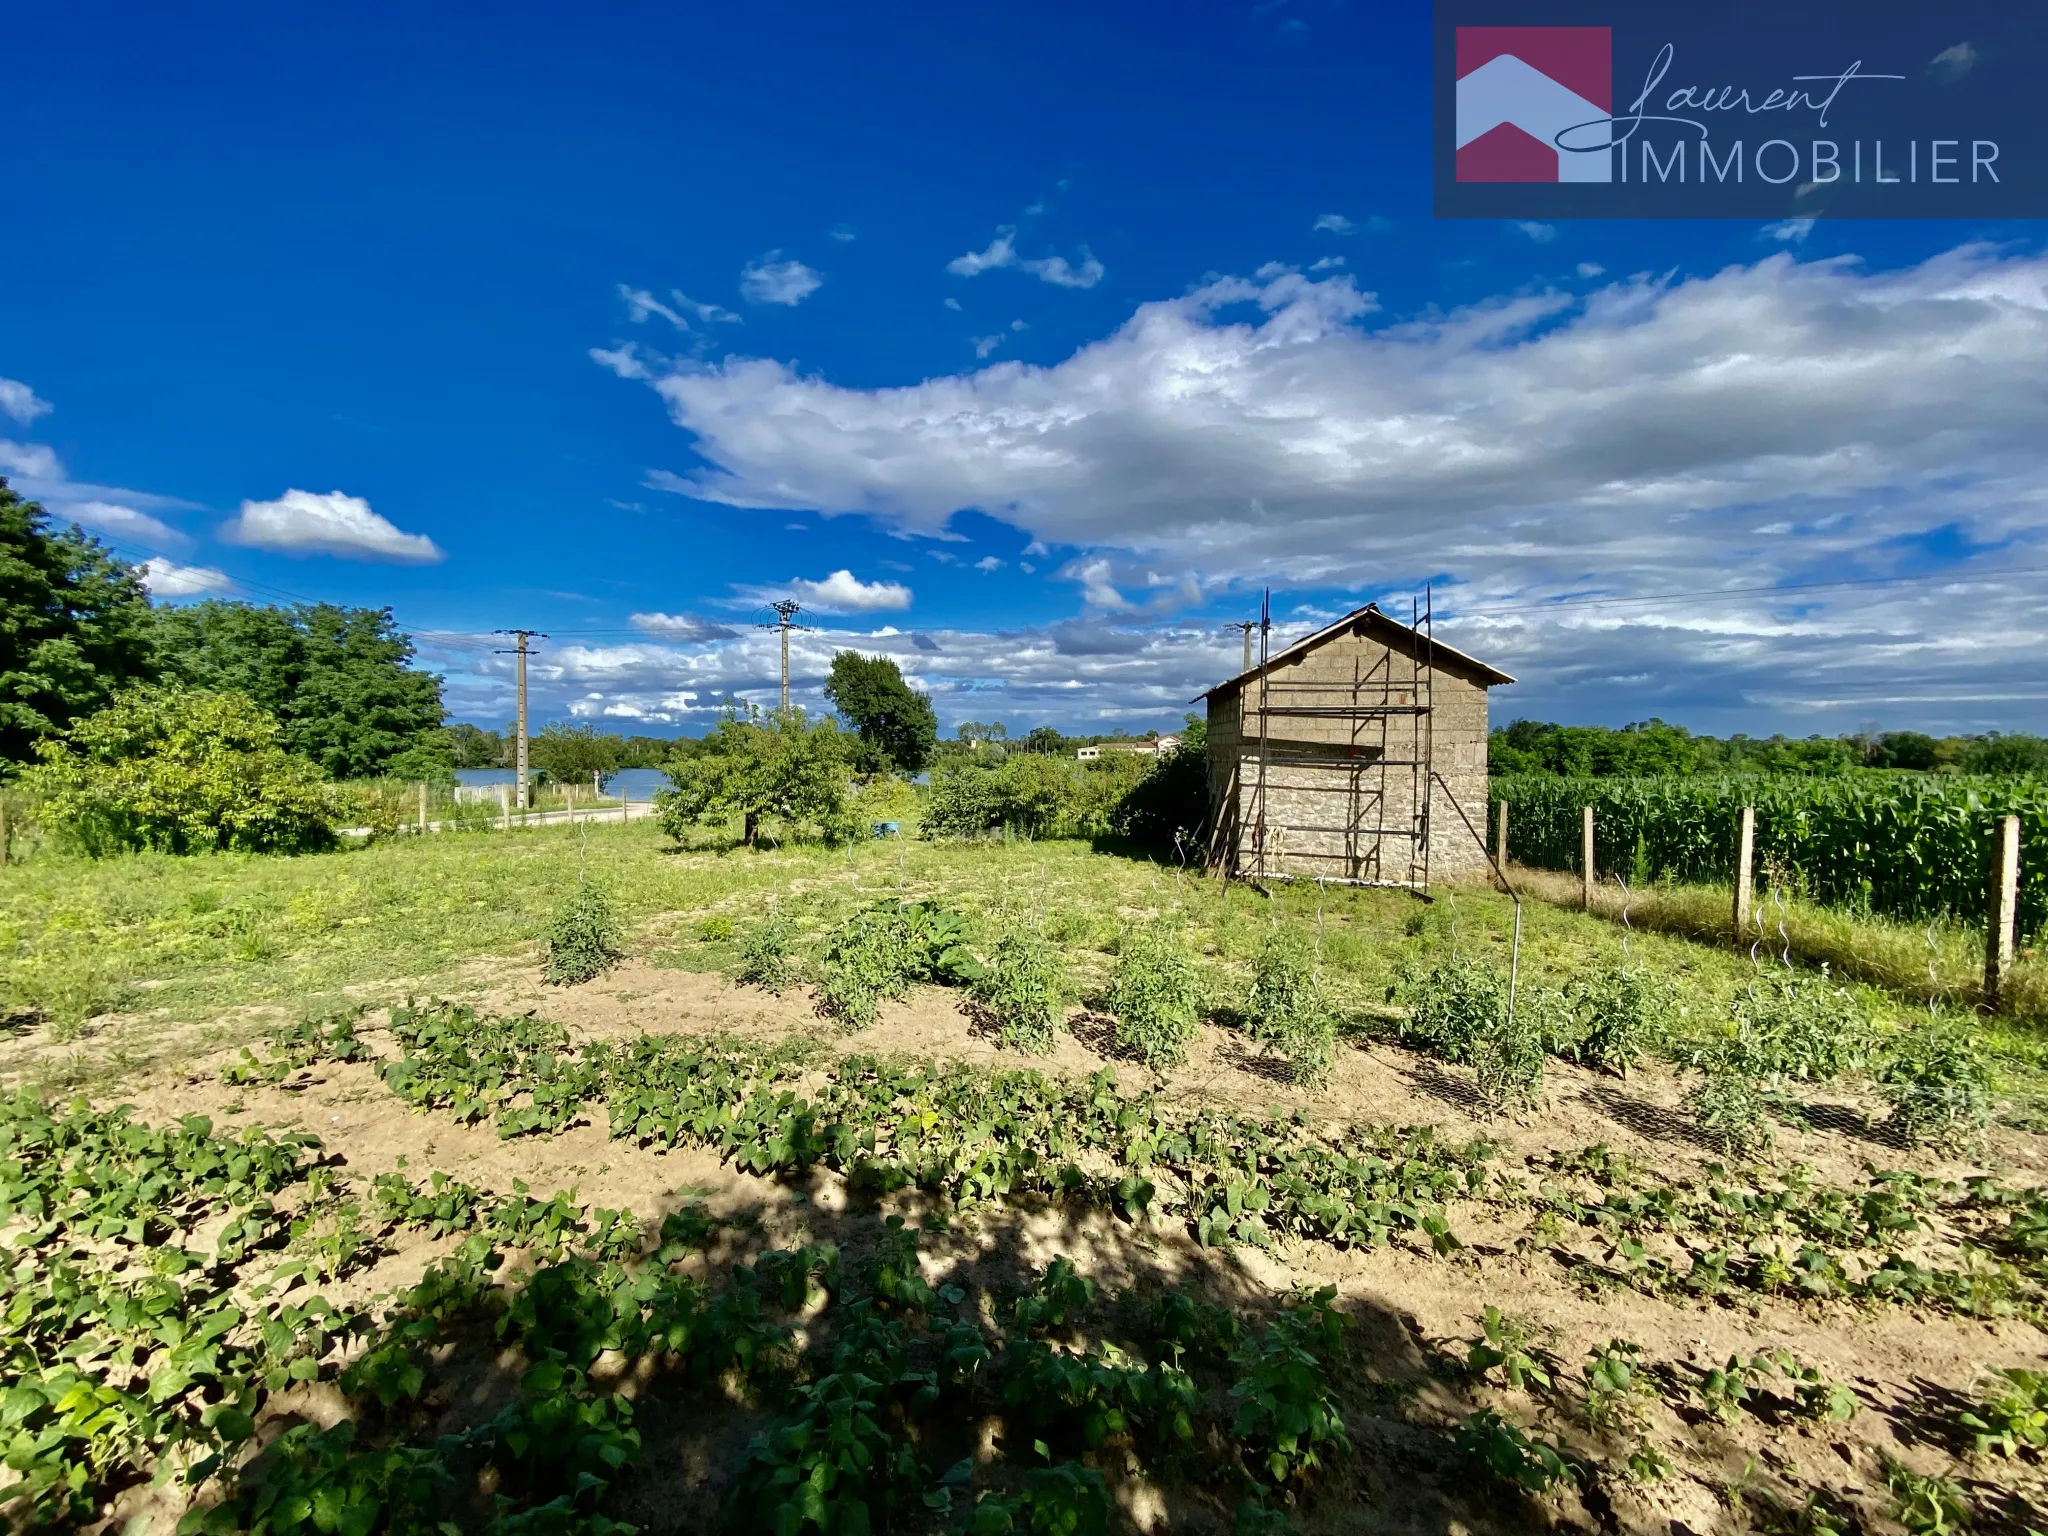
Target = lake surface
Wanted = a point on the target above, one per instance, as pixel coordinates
(639, 783)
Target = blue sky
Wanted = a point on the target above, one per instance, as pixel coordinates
(1059, 331)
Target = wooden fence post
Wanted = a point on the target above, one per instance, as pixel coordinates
(1745, 854)
(423, 807)
(505, 805)
(1500, 834)
(1586, 874)
(2000, 932)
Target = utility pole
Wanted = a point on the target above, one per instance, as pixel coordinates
(522, 636)
(1247, 625)
(785, 620)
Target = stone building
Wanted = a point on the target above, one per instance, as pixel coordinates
(1350, 756)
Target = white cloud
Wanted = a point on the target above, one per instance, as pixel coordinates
(1788, 231)
(983, 345)
(21, 402)
(302, 523)
(771, 280)
(118, 521)
(166, 578)
(640, 304)
(29, 459)
(841, 592)
(845, 232)
(1620, 441)
(682, 628)
(1002, 252)
(1541, 233)
(1335, 223)
(1326, 264)
(989, 563)
(1952, 63)
(624, 360)
(951, 303)
(1590, 269)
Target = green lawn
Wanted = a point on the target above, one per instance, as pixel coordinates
(187, 938)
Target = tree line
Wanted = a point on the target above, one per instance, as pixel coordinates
(1654, 747)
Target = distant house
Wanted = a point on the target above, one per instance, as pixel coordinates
(1356, 754)
(1158, 746)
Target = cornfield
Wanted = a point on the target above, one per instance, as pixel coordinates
(1891, 844)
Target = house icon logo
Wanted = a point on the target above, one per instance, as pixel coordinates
(1519, 88)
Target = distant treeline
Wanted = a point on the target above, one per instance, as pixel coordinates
(1654, 747)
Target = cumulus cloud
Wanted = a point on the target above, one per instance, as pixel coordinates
(1590, 269)
(31, 459)
(1539, 446)
(841, 592)
(120, 522)
(21, 402)
(989, 563)
(1002, 252)
(772, 280)
(166, 578)
(682, 628)
(302, 523)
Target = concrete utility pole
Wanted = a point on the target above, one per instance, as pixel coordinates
(785, 620)
(2001, 929)
(1247, 625)
(522, 636)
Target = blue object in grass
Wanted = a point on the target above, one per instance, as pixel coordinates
(888, 829)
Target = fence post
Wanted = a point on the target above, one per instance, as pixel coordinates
(2004, 915)
(505, 805)
(1586, 874)
(1500, 834)
(3, 829)
(1745, 854)
(423, 807)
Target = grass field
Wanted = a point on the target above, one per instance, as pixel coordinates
(1674, 1340)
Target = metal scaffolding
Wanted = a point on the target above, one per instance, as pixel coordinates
(1350, 771)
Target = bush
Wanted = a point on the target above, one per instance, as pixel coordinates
(1730, 1104)
(1168, 807)
(1610, 1019)
(1030, 794)
(1023, 991)
(583, 937)
(1285, 1011)
(765, 954)
(782, 769)
(1939, 1088)
(180, 772)
(879, 951)
(1802, 1028)
(1154, 995)
(1452, 1006)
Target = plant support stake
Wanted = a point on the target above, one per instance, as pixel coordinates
(1999, 935)
(1745, 854)
(1586, 876)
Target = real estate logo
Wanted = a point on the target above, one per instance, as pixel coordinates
(1521, 93)
(1759, 109)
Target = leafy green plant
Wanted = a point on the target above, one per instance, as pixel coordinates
(1924, 1505)
(1023, 992)
(1066, 1499)
(1509, 1057)
(1814, 1395)
(1615, 1386)
(1287, 1416)
(583, 936)
(1286, 1012)
(1939, 1088)
(1727, 1389)
(319, 1481)
(883, 948)
(1610, 1018)
(1453, 1006)
(715, 929)
(1508, 1345)
(767, 954)
(1730, 1104)
(1154, 995)
(1511, 1454)
(1801, 1029)
(2013, 1416)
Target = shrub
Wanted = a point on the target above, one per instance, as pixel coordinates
(1509, 1056)
(1030, 794)
(583, 936)
(1801, 1028)
(1154, 995)
(1023, 991)
(766, 954)
(1730, 1104)
(1610, 1019)
(880, 950)
(1939, 1088)
(1285, 1011)
(1452, 1006)
(1168, 807)
(180, 772)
